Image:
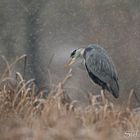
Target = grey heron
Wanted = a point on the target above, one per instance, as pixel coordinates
(99, 65)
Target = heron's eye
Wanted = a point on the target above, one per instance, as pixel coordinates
(73, 53)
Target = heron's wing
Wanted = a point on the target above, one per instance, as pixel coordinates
(100, 65)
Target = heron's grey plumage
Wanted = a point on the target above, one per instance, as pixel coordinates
(101, 68)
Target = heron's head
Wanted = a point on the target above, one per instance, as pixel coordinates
(75, 55)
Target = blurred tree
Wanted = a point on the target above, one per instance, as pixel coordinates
(34, 69)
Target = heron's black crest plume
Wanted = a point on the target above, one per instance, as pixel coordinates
(73, 53)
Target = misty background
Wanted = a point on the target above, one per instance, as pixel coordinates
(48, 30)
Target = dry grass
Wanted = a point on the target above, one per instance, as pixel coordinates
(24, 116)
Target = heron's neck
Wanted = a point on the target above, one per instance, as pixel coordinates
(82, 51)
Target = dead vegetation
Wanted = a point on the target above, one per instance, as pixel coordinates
(25, 115)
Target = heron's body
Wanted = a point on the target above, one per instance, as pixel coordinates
(100, 67)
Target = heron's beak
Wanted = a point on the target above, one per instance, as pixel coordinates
(70, 62)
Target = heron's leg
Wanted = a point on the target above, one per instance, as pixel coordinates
(103, 95)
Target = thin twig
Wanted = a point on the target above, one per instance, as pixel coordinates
(129, 98)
